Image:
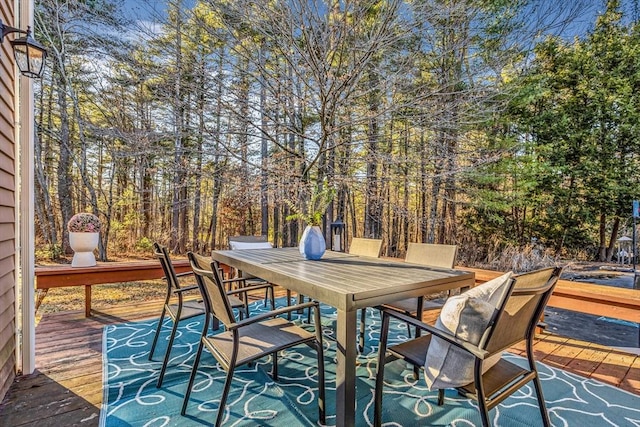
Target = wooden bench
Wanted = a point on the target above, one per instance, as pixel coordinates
(57, 276)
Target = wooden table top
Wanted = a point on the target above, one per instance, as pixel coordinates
(347, 282)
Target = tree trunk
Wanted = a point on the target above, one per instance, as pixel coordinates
(65, 181)
(197, 195)
(373, 208)
(264, 147)
(613, 239)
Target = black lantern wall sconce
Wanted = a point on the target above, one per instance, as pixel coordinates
(30, 55)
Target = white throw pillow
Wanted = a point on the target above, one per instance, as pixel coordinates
(249, 245)
(467, 317)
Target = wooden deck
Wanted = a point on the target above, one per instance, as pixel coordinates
(66, 388)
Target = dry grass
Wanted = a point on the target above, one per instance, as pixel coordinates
(517, 259)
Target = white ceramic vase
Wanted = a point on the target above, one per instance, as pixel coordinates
(312, 244)
(83, 245)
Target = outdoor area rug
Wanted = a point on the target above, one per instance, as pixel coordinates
(131, 398)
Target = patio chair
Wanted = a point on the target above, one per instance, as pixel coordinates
(249, 339)
(430, 255)
(177, 310)
(260, 242)
(252, 242)
(181, 309)
(239, 294)
(464, 349)
(365, 247)
(247, 239)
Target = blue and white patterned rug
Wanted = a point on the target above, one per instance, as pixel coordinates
(132, 399)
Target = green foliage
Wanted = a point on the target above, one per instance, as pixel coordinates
(311, 213)
(428, 130)
(144, 245)
(50, 252)
(574, 120)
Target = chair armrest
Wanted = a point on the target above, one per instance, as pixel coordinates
(249, 288)
(451, 339)
(244, 280)
(274, 313)
(183, 274)
(233, 280)
(188, 288)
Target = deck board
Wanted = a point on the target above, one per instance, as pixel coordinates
(614, 368)
(631, 382)
(66, 388)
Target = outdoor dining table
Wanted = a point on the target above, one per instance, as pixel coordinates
(348, 283)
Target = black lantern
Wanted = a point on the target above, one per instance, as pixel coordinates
(337, 236)
(30, 55)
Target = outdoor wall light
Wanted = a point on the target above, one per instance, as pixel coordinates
(29, 54)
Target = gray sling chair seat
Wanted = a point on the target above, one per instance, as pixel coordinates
(464, 349)
(249, 339)
(182, 309)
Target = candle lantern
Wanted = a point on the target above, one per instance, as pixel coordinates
(337, 236)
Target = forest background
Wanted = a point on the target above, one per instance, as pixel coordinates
(471, 122)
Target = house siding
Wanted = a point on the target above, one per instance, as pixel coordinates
(7, 209)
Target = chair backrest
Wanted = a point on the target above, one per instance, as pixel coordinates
(516, 318)
(365, 247)
(249, 242)
(432, 255)
(211, 287)
(162, 253)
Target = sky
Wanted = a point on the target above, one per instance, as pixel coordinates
(152, 11)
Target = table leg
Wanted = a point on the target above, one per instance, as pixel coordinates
(346, 368)
(87, 300)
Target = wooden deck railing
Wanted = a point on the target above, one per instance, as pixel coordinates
(599, 300)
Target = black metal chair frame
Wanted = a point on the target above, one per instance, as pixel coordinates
(187, 309)
(178, 311)
(499, 382)
(215, 295)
